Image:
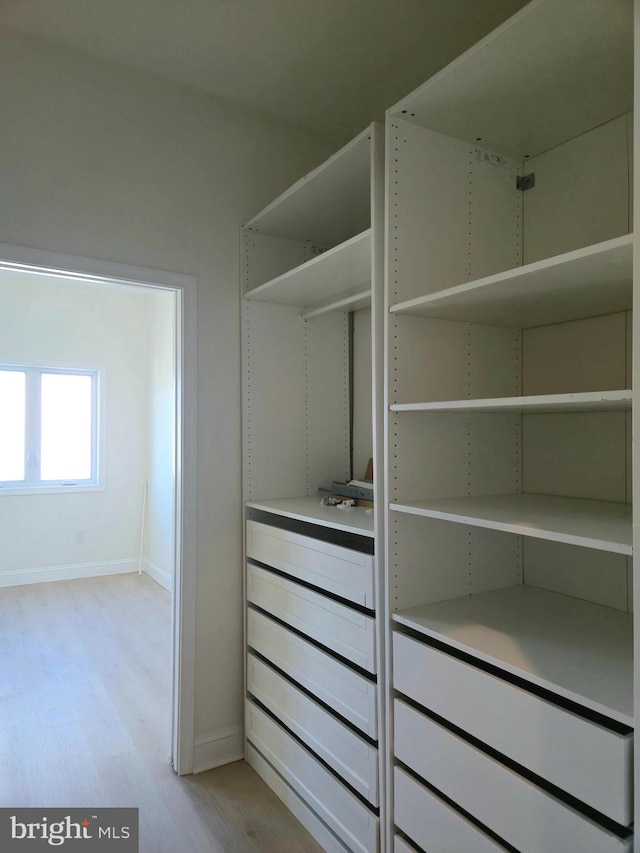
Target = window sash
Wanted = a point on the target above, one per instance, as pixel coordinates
(33, 427)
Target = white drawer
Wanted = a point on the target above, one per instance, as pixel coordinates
(401, 846)
(518, 811)
(350, 694)
(340, 628)
(348, 754)
(433, 824)
(338, 807)
(589, 761)
(342, 571)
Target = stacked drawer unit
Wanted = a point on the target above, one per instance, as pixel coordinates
(312, 702)
(468, 740)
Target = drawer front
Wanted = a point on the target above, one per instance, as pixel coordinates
(434, 825)
(341, 571)
(521, 813)
(349, 755)
(341, 810)
(587, 760)
(350, 694)
(401, 846)
(347, 632)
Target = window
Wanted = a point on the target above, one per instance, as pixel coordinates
(48, 427)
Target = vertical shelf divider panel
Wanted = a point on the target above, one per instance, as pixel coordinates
(511, 266)
(309, 258)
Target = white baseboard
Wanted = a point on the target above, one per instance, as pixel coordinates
(157, 574)
(66, 573)
(216, 749)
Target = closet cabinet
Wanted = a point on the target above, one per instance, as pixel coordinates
(509, 473)
(312, 316)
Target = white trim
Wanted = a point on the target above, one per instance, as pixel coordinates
(219, 748)
(157, 574)
(79, 268)
(65, 573)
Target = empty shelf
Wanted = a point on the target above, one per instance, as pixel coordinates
(588, 401)
(600, 525)
(584, 283)
(340, 271)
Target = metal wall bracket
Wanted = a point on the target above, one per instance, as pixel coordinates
(526, 181)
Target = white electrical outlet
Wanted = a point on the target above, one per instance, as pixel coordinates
(80, 539)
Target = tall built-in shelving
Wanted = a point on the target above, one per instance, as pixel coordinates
(312, 413)
(509, 471)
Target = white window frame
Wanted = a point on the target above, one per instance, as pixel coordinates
(33, 484)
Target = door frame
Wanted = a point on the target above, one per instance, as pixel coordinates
(183, 596)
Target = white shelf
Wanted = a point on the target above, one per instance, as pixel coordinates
(349, 520)
(339, 272)
(599, 525)
(579, 650)
(352, 303)
(328, 205)
(589, 401)
(583, 283)
(521, 100)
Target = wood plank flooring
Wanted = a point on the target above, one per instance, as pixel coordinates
(84, 721)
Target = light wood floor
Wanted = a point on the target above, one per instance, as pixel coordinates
(84, 710)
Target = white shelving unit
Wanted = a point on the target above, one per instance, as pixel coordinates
(312, 414)
(509, 474)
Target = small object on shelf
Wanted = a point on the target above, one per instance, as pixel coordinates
(360, 490)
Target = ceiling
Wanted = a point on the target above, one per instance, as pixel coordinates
(329, 65)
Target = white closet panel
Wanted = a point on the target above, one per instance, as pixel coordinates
(340, 628)
(349, 755)
(342, 571)
(590, 761)
(535, 821)
(590, 172)
(433, 824)
(347, 692)
(341, 810)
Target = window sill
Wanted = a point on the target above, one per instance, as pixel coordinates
(49, 490)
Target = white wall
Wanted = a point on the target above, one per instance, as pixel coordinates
(159, 523)
(49, 321)
(102, 161)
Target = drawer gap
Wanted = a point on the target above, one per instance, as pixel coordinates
(592, 814)
(474, 820)
(354, 666)
(362, 544)
(535, 689)
(373, 809)
(365, 611)
(312, 696)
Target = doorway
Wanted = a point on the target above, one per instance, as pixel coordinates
(174, 308)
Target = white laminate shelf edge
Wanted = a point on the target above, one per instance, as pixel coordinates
(578, 650)
(337, 273)
(583, 283)
(600, 525)
(309, 509)
(587, 401)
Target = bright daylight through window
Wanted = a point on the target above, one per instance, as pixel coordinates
(48, 427)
